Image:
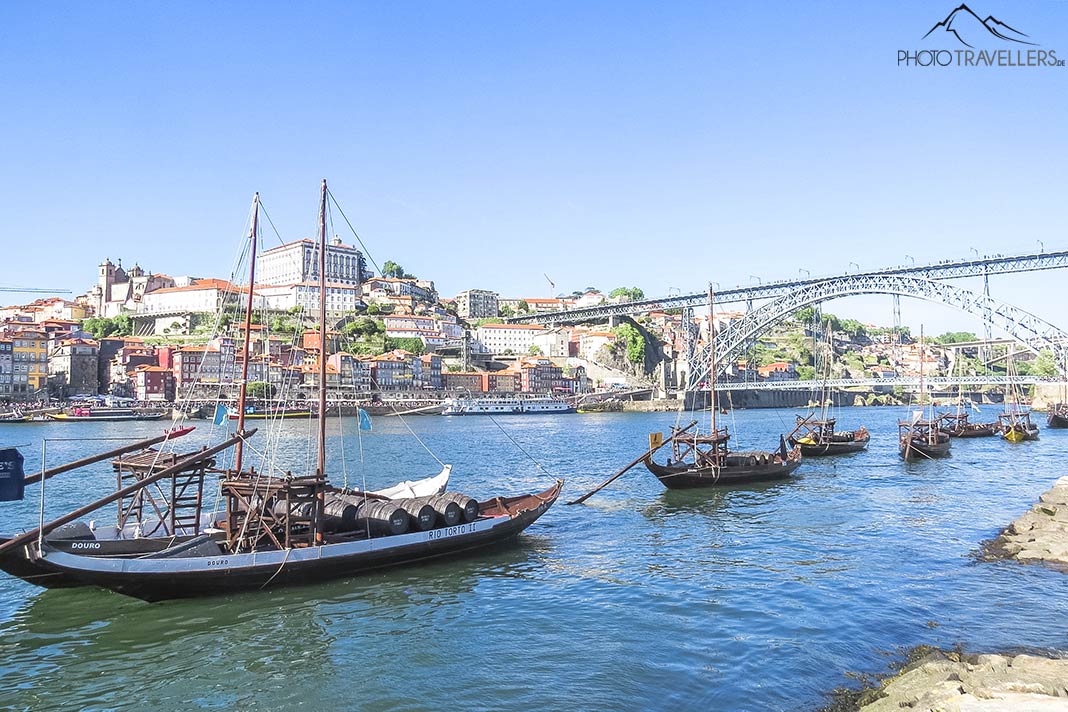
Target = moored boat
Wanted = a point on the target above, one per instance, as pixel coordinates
(704, 460)
(1016, 426)
(818, 437)
(534, 405)
(1057, 417)
(922, 440)
(279, 529)
(956, 425)
(87, 414)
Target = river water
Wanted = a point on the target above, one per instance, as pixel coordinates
(745, 598)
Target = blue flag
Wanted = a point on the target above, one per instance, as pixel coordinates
(365, 420)
(220, 414)
(12, 479)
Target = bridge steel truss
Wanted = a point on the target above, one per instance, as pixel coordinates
(1027, 329)
(981, 267)
(938, 383)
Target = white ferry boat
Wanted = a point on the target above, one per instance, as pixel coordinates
(505, 406)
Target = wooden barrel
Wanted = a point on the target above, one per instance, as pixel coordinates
(423, 517)
(382, 517)
(469, 505)
(449, 513)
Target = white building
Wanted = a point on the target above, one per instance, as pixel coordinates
(501, 338)
(553, 343)
(204, 296)
(341, 298)
(297, 262)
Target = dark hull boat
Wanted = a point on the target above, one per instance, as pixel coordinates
(1058, 416)
(956, 425)
(201, 567)
(922, 440)
(737, 468)
(915, 449)
(276, 529)
(817, 438)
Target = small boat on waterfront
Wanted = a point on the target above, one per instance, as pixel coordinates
(956, 425)
(1016, 426)
(98, 415)
(704, 460)
(818, 437)
(1015, 423)
(1057, 416)
(922, 440)
(533, 405)
(279, 529)
(271, 413)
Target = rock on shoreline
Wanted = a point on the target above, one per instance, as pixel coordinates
(1041, 534)
(951, 681)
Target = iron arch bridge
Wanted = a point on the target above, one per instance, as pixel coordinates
(1030, 331)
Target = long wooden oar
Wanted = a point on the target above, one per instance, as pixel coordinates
(53, 471)
(200, 456)
(619, 474)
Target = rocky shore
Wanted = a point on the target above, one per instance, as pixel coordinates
(1041, 534)
(950, 681)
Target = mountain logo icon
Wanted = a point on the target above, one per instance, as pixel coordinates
(968, 29)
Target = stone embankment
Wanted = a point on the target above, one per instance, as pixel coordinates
(950, 681)
(1041, 534)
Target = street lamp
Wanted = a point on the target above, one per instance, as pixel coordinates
(677, 290)
(802, 269)
(975, 251)
(854, 264)
(752, 277)
(910, 257)
(1042, 246)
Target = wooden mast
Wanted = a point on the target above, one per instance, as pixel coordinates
(321, 465)
(712, 366)
(243, 388)
(320, 469)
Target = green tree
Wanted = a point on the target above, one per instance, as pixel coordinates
(632, 294)
(535, 350)
(633, 341)
(260, 389)
(407, 343)
(507, 311)
(522, 306)
(1042, 365)
(392, 269)
(806, 373)
(955, 337)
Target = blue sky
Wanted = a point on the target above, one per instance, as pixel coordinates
(486, 144)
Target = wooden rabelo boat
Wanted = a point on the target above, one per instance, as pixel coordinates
(1057, 416)
(1016, 426)
(704, 460)
(1015, 423)
(818, 437)
(280, 530)
(922, 440)
(956, 425)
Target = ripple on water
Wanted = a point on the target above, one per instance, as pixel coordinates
(738, 598)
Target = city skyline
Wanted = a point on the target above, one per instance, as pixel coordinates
(488, 147)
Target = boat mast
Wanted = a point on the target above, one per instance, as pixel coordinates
(321, 465)
(712, 364)
(243, 388)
